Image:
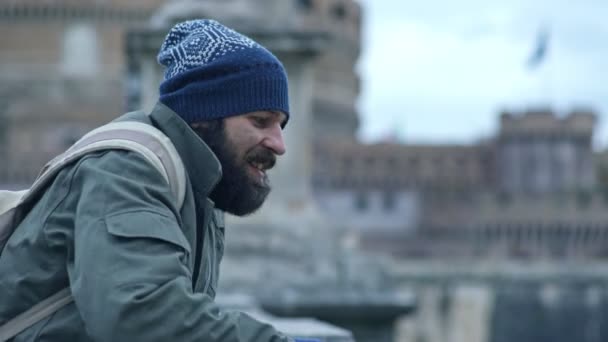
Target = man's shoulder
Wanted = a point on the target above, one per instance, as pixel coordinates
(114, 162)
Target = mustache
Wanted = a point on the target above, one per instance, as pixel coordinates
(262, 156)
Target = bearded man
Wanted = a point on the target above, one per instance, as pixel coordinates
(140, 268)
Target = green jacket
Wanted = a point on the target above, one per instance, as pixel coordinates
(139, 268)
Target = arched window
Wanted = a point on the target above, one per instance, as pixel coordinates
(80, 50)
(338, 11)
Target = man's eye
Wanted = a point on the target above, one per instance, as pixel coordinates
(259, 121)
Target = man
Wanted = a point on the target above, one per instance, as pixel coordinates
(138, 267)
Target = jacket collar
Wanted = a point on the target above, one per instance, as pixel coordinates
(202, 166)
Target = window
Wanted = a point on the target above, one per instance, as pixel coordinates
(338, 11)
(80, 50)
(361, 201)
(388, 200)
(305, 4)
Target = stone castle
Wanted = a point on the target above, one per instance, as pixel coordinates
(533, 191)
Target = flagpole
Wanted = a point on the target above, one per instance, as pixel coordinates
(541, 70)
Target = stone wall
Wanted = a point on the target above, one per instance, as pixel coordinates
(349, 165)
(61, 74)
(539, 152)
(494, 302)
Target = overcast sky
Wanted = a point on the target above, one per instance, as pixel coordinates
(438, 71)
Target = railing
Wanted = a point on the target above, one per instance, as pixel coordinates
(301, 327)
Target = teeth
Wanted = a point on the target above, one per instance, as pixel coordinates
(258, 166)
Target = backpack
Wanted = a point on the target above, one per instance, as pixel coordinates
(134, 136)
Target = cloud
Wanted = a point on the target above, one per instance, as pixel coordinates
(422, 66)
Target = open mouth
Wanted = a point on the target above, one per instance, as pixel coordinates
(258, 168)
(259, 162)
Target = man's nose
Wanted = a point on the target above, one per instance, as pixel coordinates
(274, 140)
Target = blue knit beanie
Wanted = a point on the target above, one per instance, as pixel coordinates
(214, 72)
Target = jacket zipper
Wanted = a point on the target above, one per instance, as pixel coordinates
(211, 260)
(200, 240)
(200, 251)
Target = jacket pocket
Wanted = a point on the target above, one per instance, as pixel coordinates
(147, 225)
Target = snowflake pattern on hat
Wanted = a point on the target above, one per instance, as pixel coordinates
(196, 43)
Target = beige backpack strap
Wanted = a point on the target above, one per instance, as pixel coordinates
(9, 200)
(139, 137)
(35, 314)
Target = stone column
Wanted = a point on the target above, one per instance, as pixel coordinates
(151, 78)
(291, 200)
(144, 74)
(269, 251)
(470, 314)
(285, 253)
(287, 240)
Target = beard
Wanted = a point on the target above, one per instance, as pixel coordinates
(237, 192)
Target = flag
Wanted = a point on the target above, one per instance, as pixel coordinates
(540, 49)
